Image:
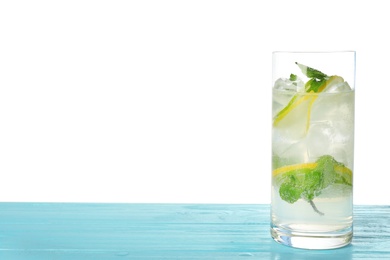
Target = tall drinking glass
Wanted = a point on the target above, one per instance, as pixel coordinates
(313, 102)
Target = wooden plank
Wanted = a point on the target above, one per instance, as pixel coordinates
(168, 231)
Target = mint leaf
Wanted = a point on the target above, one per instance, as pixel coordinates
(327, 164)
(290, 190)
(314, 85)
(293, 77)
(312, 185)
(307, 184)
(317, 78)
(310, 72)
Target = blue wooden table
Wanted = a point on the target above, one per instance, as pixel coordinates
(168, 231)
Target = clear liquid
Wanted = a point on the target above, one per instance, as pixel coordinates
(330, 130)
(301, 217)
(309, 131)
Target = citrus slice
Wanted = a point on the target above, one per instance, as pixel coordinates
(308, 180)
(293, 168)
(300, 98)
(299, 171)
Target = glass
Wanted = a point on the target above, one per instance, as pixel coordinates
(313, 102)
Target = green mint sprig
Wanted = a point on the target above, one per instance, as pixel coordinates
(317, 78)
(309, 183)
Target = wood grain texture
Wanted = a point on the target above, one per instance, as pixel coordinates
(168, 231)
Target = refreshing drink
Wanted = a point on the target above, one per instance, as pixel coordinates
(312, 159)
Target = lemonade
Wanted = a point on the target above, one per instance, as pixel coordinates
(312, 160)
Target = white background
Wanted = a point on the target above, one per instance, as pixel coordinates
(170, 101)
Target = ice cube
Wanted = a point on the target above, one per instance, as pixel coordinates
(338, 87)
(338, 109)
(323, 138)
(289, 85)
(284, 90)
(289, 151)
(331, 127)
(320, 139)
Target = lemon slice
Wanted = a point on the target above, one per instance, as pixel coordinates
(293, 168)
(300, 170)
(309, 180)
(305, 98)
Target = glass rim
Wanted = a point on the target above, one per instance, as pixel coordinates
(319, 52)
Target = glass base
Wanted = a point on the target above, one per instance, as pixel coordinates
(318, 240)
